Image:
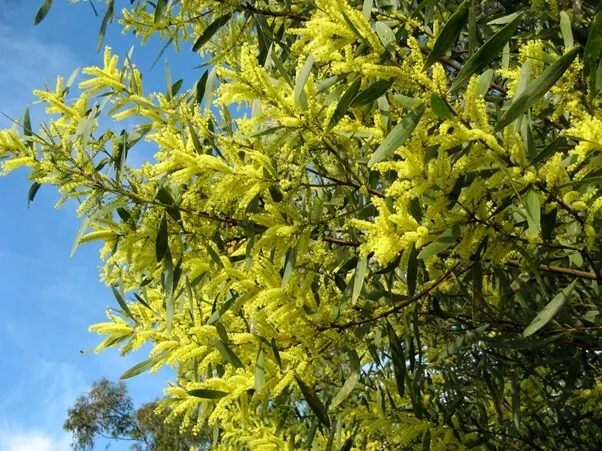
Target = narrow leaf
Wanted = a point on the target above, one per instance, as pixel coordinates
(549, 311)
(42, 11)
(122, 303)
(486, 53)
(207, 394)
(345, 102)
(260, 370)
(444, 241)
(142, 366)
(412, 271)
(398, 359)
(591, 54)
(160, 10)
(314, 402)
(289, 266)
(227, 353)
(358, 278)
(27, 133)
(302, 78)
(566, 30)
(537, 89)
(533, 210)
(372, 92)
(449, 34)
(161, 243)
(33, 190)
(80, 234)
(103, 25)
(400, 134)
(274, 347)
(208, 33)
(347, 388)
(386, 35)
(440, 107)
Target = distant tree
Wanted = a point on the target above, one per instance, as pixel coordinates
(107, 411)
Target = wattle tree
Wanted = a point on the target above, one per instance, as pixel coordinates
(368, 224)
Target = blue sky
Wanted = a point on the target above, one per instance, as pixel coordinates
(47, 300)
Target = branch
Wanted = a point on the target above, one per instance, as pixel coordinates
(559, 270)
(446, 275)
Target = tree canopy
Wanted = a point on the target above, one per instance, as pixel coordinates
(107, 411)
(366, 225)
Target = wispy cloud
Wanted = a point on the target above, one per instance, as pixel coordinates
(14, 440)
(27, 63)
(57, 384)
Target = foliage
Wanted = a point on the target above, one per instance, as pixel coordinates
(392, 243)
(107, 411)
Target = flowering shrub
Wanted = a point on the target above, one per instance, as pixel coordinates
(368, 225)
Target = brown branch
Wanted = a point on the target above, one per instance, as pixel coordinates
(560, 270)
(446, 275)
(340, 241)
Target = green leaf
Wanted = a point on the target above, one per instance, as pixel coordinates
(372, 92)
(549, 311)
(27, 132)
(260, 370)
(422, 5)
(398, 359)
(314, 402)
(412, 271)
(289, 266)
(367, 8)
(486, 53)
(213, 255)
(122, 303)
(537, 89)
(142, 366)
(350, 382)
(162, 242)
(515, 399)
(42, 11)
(386, 35)
(208, 33)
(440, 107)
(358, 278)
(175, 88)
(400, 134)
(105, 22)
(207, 394)
(80, 234)
(168, 287)
(485, 82)
(344, 103)
(426, 440)
(347, 444)
(217, 314)
(591, 54)
(477, 279)
(160, 8)
(443, 241)
(33, 190)
(302, 79)
(566, 30)
(533, 210)
(276, 353)
(449, 34)
(227, 353)
(200, 87)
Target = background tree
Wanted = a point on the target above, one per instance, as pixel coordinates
(107, 411)
(392, 244)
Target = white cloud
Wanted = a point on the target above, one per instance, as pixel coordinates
(59, 383)
(27, 63)
(31, 441)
